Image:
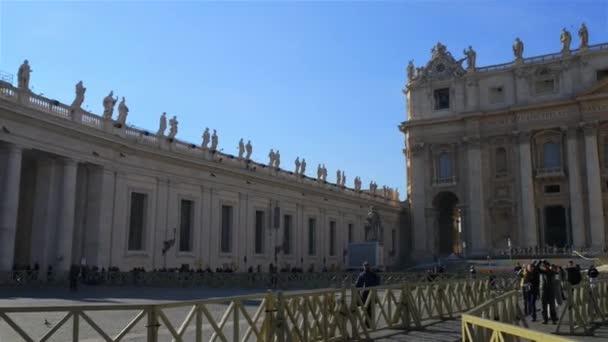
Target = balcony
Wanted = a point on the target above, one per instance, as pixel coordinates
(550, 172)
(444, 182)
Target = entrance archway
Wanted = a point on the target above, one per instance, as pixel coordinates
(556, 231)
(448, 223)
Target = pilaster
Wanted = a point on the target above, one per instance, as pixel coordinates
(576, 194)
(594, 187)
(528, 205)
(11, 156)
(65, 222)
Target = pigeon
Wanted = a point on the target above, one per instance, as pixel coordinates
(47, 323)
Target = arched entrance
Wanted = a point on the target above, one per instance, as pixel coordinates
(448, 223)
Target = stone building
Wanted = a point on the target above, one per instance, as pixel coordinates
(77, 188)
(511, 154)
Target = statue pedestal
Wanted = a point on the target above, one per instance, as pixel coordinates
(371, 252)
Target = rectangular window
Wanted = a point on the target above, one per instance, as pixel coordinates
(259, 232)
(601, 74)
(544, 86)
(552, 189)
(312, 225)
(185, 225)
(226, 229)
(287, 234)
(332, 238)
(497, 95)
(137, 221)
(350, 232)
(442, 98)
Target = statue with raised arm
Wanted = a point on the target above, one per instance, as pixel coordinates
(471, 58)
(23, 76)
(271, 158)
(277, 159)
(565, 38)
(123, 111)
(108, 105)
(583, 37)
(373, 226)
(173, 129)
(214, 141)
(297, 162)
(206, 138)
(80, 90)
(411, 71)
(303, 167)
(241, 148)
(162, 125)
(249, 150)
(518, 50)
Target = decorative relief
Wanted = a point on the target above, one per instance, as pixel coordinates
(589, 128)
(541, 116)
(416, 148)
(595, 107)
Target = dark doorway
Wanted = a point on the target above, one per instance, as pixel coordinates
(448, 223)
(555, 226)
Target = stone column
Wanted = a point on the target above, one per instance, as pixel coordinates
(594, 187)
(477, 213)
(10, 155)
(65, 222)
(528, 207)
(422, 248)
(576, 193)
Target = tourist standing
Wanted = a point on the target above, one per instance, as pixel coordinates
(573, 274)
(592, 273)
(529, 286)
(367, 278)
(547, 293)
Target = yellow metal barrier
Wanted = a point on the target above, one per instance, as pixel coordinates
(323, 315)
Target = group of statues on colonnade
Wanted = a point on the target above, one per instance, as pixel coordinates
(518, 51)
(209, 141)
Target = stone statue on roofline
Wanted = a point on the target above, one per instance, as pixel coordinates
(319, 173)
(271, 158)
(173, 129)
(277, 159)
(108, 106)
(303, 167)
(206, 138)
(338, 177)
(249, 150)
(343, 181)
(583, 36)
(518, 50)
(324, 173)
(23, 76)
(162, 125)
(123, 111)
(471, 58)
(411, 71)
(241, 148)
(80, 90)
(565, 38)
(297, 163)
(214, 141)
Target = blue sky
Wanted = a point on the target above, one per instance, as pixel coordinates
(320, 80)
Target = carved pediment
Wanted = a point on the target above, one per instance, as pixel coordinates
(442, 66)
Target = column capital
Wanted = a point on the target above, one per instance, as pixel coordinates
(590, 128)
(416, 148)
(11, 148)
(471, 141)
(522, 136)
(68, 162)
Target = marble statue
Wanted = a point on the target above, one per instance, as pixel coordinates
(343, 181)
(583, 37)
(518, 50)
(241, 148)
(162, 125)
(565, 38)
(338, 177)
(214, 141)
(23, 76)
(324, 173)
(297, 162)
(396, 195)
(173, 127)
(471, 58)
(358, 183)
(277, 159)
(206, 137)
(303, 167)
(80, 90)
(271, 158)
(373, 226)
(108, 105)
(123, 111)
(249, 150)
(411, 71)
(319, 173)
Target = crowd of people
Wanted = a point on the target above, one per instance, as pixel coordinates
(541, 280)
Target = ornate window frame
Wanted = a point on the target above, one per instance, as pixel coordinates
(497, 144)
(437, 151)
(540, 139)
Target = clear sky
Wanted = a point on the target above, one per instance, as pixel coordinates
(320, 80)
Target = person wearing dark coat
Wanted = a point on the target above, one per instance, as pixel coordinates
(367, 278)
(547, 293)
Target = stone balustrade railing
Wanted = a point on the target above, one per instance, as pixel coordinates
(144, 137)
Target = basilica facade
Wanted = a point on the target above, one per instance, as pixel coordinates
(511, 155)
(80, 188)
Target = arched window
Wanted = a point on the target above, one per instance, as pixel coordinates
(445, 166)
(551, 155)
(501, 161)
